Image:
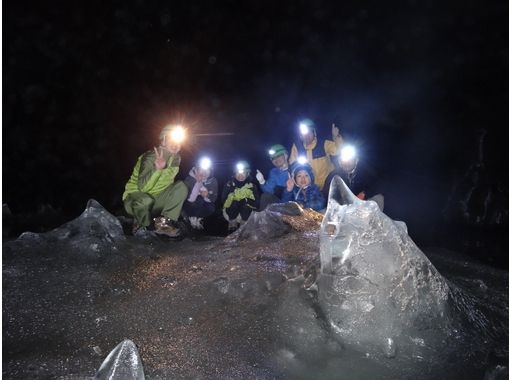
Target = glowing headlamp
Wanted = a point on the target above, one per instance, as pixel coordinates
(304, 129)
(347, 153)
(240, 168)
(205, 163)
(271, 152)
(302, 160)
(178, 134)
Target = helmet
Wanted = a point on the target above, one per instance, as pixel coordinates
(204, 163)
(297, 167)
(175, 131)
(305, 126)
(277, 150)
(242, 166)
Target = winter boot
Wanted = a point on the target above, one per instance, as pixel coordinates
(165, 226)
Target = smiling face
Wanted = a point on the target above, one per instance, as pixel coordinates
(303, 178)
(203, 174)
(241, 176)
(171, 146)
(280, 161)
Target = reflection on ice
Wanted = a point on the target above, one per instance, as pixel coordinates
(383, 297)
(376, 287)
(122, 363)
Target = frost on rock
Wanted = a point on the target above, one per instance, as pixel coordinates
(376, 287)
(122, 363)
(94, 232)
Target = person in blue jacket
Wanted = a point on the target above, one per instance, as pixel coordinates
(273, 188)
(302, 189)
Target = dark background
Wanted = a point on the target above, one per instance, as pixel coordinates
(87, 87)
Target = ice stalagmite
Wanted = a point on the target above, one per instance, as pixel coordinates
(122, 363)
(377, 289)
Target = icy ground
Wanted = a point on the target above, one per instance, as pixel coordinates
(208, 308)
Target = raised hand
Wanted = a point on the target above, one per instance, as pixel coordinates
(204, 192)
(290, 183)
(260, 177)
(334, 131)
(160, 161)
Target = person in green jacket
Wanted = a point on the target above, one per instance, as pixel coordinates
(152, 191)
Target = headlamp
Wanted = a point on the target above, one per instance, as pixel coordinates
(178, 134)
(347, 153)
(205, 163)
(302, 160)
(271, 152)
(240, 168)
(304, 129)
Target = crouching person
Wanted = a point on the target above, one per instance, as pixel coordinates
(302, 189)
(152, 192)
(240, 196)
(273, 188)
(203, 192)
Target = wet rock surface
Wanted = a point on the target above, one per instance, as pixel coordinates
(202, 308)
(195, 309)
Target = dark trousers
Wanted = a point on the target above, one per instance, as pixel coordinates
(199, 208)
(239, 207)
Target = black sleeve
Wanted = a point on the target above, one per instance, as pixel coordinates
(214, 189)
(227, 189)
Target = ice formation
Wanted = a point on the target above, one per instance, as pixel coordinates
(376, 288)
(268, 223)
(122, 363)
(94, 233)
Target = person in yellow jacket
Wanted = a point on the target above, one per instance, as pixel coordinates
(318, 152)
(152, 191)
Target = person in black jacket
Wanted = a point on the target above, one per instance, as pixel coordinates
(202, 194)
(359, 180)
(240, 196)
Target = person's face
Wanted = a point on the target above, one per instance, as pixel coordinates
(171, 146)
(203, 173)
(280, 161)
(241, 176)
(348, 166)
(303, 179)
(308, 138)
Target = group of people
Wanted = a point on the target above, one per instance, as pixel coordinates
(155, 199)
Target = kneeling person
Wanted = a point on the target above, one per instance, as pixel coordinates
(357, 177)
(152, 191)
(302, 189)
(203, 191)
(240, 196)
(272, 189)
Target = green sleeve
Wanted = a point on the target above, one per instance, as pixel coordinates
(154, 181)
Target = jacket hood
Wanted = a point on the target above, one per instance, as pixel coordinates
(296, 168)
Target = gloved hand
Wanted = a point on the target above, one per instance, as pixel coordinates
(260, 177)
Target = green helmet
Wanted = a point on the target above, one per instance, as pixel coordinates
(277, 150)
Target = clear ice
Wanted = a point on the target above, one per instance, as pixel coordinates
(376, 288)
(122, 363)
